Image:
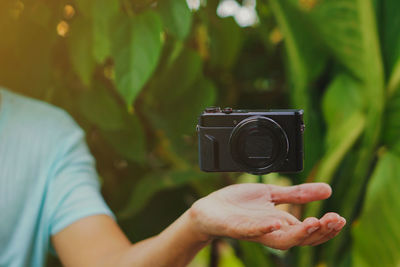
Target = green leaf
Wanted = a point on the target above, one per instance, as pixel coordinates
(305, 61)
(185, 94)
(176, 80)
(80, 49)
(344, 92)
(348, 31)
(390, 23)
(202, 258)
(176, 123)
(346, 134)
(155, 182)
(254, 254)
(339, 142)
(120, 129)
(342, 17)
(228, 258)
(396, 148)
(129, 141)
(136, 49)
(344, 127)
(394, 81)
(226, 40)
(376, 235)
(103, 12)
(101, 109)
(355, 43)
(176, 17)
(391, 128)
(354, 23)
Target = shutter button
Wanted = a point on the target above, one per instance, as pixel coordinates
(227, 110)
(213, 109)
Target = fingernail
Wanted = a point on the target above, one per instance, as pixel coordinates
(331, 225)
(312, 229)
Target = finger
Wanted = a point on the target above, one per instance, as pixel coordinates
(251, 229)
(272, 225)
(299, 194)
(289, 236)
(327, 222)
(337, 228)
(286, 218)
(281, 219)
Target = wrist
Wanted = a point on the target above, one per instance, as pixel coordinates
(191, 220)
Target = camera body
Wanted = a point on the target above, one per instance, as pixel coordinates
(253, 141)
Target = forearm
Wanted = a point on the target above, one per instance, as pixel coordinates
(245, 211)
(175, 246)
(98, 241)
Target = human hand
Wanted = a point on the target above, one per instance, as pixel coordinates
(248, 212)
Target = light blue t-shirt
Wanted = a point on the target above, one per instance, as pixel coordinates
(47, 178)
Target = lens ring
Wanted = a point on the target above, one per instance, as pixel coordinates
(268, 127)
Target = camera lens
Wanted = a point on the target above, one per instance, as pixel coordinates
(259, 144)
(258, 148)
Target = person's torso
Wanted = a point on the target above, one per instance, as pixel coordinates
(24, 166)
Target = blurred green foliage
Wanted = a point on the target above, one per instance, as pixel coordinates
(136, 74)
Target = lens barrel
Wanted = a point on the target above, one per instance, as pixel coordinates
(259, 144)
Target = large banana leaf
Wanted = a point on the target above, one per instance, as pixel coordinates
(356, 33)
(356, 46)
(376, 238)
(344, 126)
(342, 107)
(391, 128)
(376, 234)
(390, 23)
(349, 33)
(305, 61)
(354, 43)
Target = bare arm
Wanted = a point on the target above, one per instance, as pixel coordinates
(98, 241)
(244, 211)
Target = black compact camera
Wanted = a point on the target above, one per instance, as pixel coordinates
(253, 141)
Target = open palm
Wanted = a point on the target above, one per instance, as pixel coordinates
(248, 212)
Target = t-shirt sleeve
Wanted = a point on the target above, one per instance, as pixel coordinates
(73, 190)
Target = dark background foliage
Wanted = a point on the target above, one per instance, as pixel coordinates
(136, 75)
